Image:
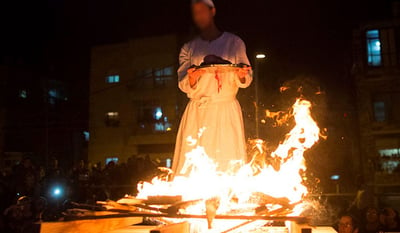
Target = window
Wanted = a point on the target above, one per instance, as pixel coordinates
(374, 55)
(167, 71)
(112, 79)
(168, 163)
(23, 94)
(151, 118)
(390, 159)
(55, 95)
(112, 159)
(112, 119)
(161, 76)
(86, 134)
(156, 77)
(379, 111)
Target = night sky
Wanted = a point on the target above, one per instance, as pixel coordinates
(310, 37)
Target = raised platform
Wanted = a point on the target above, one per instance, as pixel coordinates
(109, 222)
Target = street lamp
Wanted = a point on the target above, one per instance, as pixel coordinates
(259, 57)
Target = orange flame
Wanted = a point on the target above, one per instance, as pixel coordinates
(236, 188)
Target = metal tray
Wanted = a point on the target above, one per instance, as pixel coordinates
(223, 66)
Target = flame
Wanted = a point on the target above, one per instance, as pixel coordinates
(272, 182)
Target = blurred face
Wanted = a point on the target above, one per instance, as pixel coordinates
(27, 163)
(203, 15)
(346, 225)
(388, 216)
(372, 215)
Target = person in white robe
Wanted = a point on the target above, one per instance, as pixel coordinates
(213, 108)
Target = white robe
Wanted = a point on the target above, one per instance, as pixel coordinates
(214, 109)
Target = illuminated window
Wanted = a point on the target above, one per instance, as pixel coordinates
(379, 111)
(23, 94)
(374, 55)
(152, 118)
(167, 71)
(112, 159)
(86, 134)
(168, 163)
(389, 159)
(163, 75)
(156, 77)
(55, 94)
(112, 119)
(112, 79)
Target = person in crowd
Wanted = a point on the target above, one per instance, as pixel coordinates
(21, 217)
(348, 224)
(389, 218)
(372, 223)
(364, 198)
(25, 178)
(80, 181)
(54, 169)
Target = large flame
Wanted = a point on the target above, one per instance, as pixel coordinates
(277, 177)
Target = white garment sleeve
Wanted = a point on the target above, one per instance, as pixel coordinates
(241, 57)
(184, 64)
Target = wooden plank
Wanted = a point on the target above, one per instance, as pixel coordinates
(89, 226)
(183, 227)
(134, 229)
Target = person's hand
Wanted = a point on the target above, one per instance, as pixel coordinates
(194, 75)
(242, 72)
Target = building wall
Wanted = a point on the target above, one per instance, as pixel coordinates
(378, 98)
(135, 90)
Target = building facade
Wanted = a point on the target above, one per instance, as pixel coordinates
(135, 103)
(376, 71)
(39, 117)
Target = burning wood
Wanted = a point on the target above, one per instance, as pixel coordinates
(162, 200)
(265, 199)
(171, 209)
(269, 185)
(212, 205)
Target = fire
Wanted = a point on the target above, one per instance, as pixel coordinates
(274, 183)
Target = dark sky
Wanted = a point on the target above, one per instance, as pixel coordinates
(302, 37)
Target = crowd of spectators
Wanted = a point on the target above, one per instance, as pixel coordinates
(28, 182)
(28, 189)
(371, 220)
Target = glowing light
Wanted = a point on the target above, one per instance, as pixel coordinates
(261, 56)
(158, 113)
(112, 114)
(335, 177)
(57, 192)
